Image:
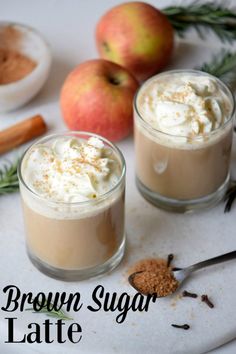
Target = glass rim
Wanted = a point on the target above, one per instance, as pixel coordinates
(81, 203)
(197, 137)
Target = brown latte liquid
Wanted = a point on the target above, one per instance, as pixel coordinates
(182, 173)
(75, 243)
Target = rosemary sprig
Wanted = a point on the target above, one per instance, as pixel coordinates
(8, 178)
(222, 65)
(203, 16)
(60, 314)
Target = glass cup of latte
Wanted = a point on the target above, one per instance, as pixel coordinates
(73, 191)
(183, 137)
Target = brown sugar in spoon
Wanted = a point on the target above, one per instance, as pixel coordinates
(167, 281)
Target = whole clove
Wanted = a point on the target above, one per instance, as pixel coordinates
(205, 299)
(184, 326)
(186, 293)
(170, 259)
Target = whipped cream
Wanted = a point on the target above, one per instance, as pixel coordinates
(184, 104)
(67, 169)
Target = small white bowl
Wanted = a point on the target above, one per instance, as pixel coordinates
(34, 46)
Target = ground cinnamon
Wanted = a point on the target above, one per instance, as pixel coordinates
(154, 277)
(14, 66)
(10, 37)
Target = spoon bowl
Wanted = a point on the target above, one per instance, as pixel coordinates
(181, 274)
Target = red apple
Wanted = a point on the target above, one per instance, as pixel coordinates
(137, 36)
(97, 96)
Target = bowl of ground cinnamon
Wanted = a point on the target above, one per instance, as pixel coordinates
(25, 61)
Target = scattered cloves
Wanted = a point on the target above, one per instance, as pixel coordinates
(205, 299)
(185, 293)
(184, 326)
(170, 259)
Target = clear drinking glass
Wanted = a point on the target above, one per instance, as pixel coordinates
(178, 175)
(77, 240)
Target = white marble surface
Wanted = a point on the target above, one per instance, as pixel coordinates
(69, 27)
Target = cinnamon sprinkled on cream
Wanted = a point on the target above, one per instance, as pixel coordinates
(71, 170)
(184, 105)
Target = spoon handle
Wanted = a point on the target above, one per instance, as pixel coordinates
(223, 258)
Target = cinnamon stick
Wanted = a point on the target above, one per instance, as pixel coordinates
(21, 132)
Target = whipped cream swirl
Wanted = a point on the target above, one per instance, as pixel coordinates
(67, 169)
(184, 105)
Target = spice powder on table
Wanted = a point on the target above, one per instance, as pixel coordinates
(154, 277)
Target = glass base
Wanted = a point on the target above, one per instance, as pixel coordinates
(80, 274)
(183, 206)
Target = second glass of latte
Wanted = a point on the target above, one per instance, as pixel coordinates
(183, 137)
